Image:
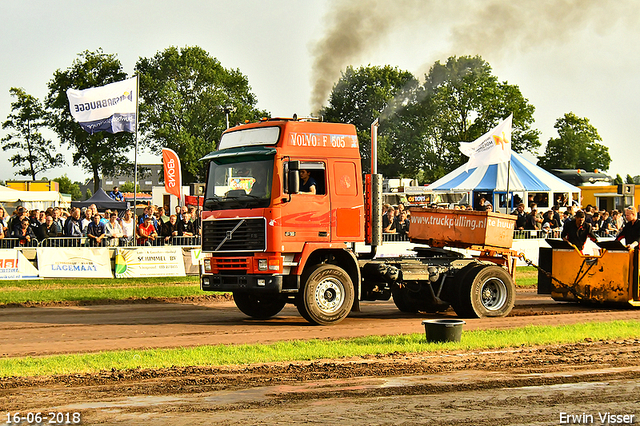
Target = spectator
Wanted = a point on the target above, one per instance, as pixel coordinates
(588, 214)
(402, 223)
(24, 233)
(34, 222)
(170, 228)
(128, 228)
(72, 227)
(148, 214)
(615, 220)
(15, 221)
(161, 217)
(116, 194)
(86, 219)
(113, 230)
(521, 216)
(57, 219)
(1, 231)
(4, 217)
(550, 225)
(195, 219)
(388, 222)
(534, 219)
(49, 229)
(96, 232)
(606, 224)
(186, 228)
(147, 233)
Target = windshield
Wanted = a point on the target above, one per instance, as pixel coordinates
(242, 184)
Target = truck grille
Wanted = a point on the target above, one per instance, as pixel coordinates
(234, 235)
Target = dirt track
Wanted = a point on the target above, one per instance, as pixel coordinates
(523, 386)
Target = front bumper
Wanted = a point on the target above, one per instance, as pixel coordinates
(253, 283)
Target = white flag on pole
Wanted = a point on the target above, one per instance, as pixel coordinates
(491, 148)
(110, 108)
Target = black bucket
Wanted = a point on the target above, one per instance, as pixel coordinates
(443, 330)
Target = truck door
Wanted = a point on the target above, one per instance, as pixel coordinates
(306, 218)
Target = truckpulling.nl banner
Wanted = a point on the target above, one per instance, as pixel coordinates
(111, 108)
(491, 148)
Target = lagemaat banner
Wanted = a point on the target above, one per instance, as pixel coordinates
(14, 266)
(149, 262)
(111, 108)
(74, 262)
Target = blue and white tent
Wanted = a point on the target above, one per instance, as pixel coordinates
(524, 178)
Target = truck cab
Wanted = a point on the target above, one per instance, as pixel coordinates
(270, 243)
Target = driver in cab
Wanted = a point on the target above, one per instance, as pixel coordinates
(307, 183)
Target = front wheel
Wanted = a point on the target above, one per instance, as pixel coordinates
(327, 295)
(486, 292)
(259, 306)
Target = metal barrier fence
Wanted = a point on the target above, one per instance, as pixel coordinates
(9, 243)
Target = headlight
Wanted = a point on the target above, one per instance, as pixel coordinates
(262, 264)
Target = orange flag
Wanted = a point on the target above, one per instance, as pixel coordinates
(172, 172)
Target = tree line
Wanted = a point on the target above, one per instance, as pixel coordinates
(185, 94)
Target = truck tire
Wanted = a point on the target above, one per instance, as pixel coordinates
(403, 302)
(259, 306)
(486, 291)
(412, 302)
(327, 295)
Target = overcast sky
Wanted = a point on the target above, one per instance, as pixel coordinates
(565, 55)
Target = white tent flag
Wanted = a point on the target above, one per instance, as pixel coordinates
(110, 108)
(491, 148)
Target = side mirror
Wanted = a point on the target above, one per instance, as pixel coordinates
(294, 165)
(294, 181)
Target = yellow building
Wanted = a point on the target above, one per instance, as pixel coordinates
(30, 185)
(609, 197)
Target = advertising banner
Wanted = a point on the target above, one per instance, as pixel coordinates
(74, 262)
(149, 262)
(111, 108)
(14, 266)
(172, 172)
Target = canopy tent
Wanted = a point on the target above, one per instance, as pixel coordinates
(32, 199)
(524, 178)
(102, 202)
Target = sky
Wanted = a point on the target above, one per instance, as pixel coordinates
(579, 56)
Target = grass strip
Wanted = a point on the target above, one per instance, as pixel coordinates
(526, 276)
(75, 294)
(98, 282)
(220, 355)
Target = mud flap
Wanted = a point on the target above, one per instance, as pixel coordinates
(545, 263)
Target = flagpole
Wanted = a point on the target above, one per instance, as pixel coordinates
(135, 155)
(507, 198)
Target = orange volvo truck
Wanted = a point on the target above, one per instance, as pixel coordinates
(271, 243)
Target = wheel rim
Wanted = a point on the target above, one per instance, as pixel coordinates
(493, 294)
(329, 295)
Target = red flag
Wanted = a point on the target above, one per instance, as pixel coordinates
(172, 172)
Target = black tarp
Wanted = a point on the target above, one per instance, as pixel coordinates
(102, 202)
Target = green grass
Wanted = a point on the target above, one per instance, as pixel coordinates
(23, 291)
(220, 355)
(526, 276)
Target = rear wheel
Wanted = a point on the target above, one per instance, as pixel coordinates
(259, 306)
(486, 292)
(327, 295)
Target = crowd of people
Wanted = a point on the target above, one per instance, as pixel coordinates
(395, 220)
(107, 228)
(551, 222)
